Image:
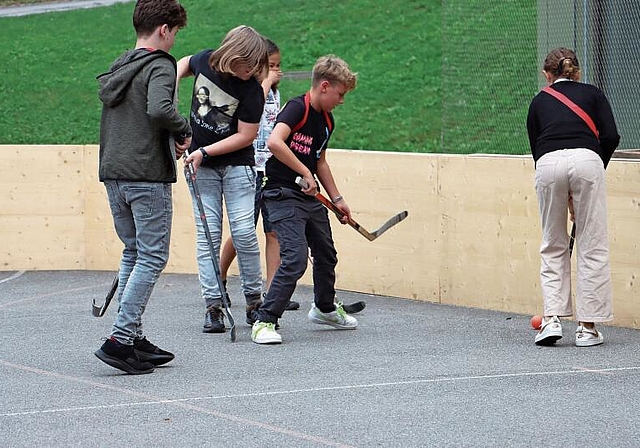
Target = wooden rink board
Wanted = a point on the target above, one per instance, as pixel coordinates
(471, 238)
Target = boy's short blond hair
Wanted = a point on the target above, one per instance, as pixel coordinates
(242, 44)
(335, 70)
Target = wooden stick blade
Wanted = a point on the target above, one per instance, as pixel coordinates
(390, 223)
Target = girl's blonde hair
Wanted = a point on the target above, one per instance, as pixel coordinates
(334, 70)
(242, 44)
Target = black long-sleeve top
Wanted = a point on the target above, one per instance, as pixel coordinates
(552, 125)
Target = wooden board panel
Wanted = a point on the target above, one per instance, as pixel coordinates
(42, 180)
(41, 242)
(471, 239)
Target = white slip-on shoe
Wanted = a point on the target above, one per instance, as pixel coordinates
(550, 331)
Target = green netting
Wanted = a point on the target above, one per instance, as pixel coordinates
(492, 53)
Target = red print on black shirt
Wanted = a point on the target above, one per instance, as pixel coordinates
(301, 143)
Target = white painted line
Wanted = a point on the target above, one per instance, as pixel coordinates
(12, 277)
(150, 399)
(55, 293)
(586, 369)
(177, 401)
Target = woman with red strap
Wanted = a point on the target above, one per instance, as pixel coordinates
(572, 134)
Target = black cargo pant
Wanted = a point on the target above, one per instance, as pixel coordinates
(301, 223)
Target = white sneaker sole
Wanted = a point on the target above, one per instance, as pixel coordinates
(318, 321)
(267, 341)
(588, 342)
(549, 337)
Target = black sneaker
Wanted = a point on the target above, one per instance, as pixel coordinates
(122, 357)
(213, 321)
(292, 305)
(147, 352)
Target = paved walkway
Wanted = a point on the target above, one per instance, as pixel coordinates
(39, 8)
(413, 374)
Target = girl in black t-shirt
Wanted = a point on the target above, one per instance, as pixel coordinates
(224, 126)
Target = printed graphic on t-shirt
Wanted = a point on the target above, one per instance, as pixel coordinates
(302, 144)
(212, 108)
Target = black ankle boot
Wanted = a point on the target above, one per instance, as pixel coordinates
(213, 321)
(251, 310)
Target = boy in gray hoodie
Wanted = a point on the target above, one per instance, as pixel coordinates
(141, 136)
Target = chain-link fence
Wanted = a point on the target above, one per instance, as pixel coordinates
(492, 53)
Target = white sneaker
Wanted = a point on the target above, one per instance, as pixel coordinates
(265, 333)
(587, 337)
(550, 331)
(337, 319)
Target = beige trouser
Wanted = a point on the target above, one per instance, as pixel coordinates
(578, 173)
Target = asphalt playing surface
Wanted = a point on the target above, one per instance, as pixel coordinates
(412, 374)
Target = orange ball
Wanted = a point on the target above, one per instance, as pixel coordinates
(536, 322)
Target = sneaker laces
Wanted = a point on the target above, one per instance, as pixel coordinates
(552, 320)
(340, 310)
(583, 329)
(269, 325)
(214, 312)
(143, 344)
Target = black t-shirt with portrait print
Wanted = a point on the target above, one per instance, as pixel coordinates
(219, 101)
(307, 143)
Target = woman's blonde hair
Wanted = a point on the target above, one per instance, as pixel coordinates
(334, 70)
(242, 44)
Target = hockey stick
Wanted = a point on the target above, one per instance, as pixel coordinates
(191, 175)
(361, 230)
(99, 310)
(572, 236)
(572, 239)
(354, 307)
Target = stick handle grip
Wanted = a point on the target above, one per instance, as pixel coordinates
(339, 213)
(326, 201)
(301, 182)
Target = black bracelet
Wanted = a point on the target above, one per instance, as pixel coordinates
(205, 156)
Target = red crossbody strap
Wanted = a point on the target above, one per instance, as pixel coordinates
(574, 107)
(307, 104)
(307, 100)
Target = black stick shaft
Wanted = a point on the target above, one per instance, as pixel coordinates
(216, 268)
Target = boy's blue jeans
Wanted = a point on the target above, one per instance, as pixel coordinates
(142, 213)
(238, 186)
(301, 223)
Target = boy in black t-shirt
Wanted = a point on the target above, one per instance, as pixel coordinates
(298, 143)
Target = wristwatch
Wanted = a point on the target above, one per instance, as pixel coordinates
(205, 156)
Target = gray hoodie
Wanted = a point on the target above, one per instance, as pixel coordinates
(139, 118)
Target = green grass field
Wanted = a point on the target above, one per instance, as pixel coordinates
(407, 99)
